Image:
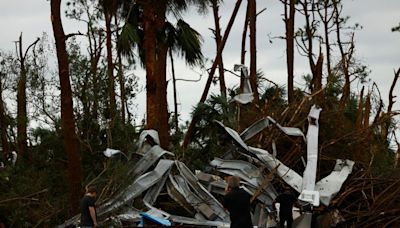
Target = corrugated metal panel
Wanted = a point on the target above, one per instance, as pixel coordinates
(140, 185)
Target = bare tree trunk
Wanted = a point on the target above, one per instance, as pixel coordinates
(367, 111)
(309, 40)
(391, 97)
(174, 89)
(163, 115)
(360, 109)
(121, 81)
(289, 23)
(67, 115)
(243, 47)
(95, 54)
(110, 66)
(345, 59)
(161, 72)
(218, 43)
(111, 81)
(318, 79)
(149, 42)
(3, 124)
(155, 62)
(253, 49)
(22, 117)
(325, 20)
(189, 133)
(387, 116)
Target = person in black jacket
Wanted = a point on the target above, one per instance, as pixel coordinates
(286, 201)
(237, 202)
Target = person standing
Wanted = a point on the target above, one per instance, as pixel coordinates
(88, 209)
(237, 202)
(286, 201)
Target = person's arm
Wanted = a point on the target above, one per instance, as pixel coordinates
(92, 211)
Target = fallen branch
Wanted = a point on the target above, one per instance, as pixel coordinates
(27, 197)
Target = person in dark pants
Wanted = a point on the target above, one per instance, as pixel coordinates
(88, 209)
(237, 202)
(286, 201)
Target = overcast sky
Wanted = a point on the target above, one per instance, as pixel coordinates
(376, 46)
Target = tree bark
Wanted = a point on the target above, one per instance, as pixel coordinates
(163, 126)
(345, 59)
(67, 115)
(243, 47)
(289, 24)
(253, 49)
(111, 82)
(21, 106)
(309, 39)
(149, 42)
(174, 89)
(94, 61)
(360, 112)
(325, 21)
(161, 76)
(22, 117)
(218, 43)
(121, 80)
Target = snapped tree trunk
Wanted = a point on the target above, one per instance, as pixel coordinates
(289, 24)
(110, 66)
(326, 21)
(344, 62)
(67, 115)
(176, 120)
(94, 61)
(218, 43)
(21, 105)
(22, 117)
(309, 36)
(243, 47)
(253, 49)
(111, 82)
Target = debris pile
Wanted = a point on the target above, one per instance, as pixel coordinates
(157, 177)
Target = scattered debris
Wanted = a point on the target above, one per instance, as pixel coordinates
(198, 195)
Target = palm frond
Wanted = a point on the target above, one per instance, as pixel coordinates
(131, 35)
(128, 39)
(189, 43)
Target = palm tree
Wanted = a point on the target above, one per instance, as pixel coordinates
(153, 42)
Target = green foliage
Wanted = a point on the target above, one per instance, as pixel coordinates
(205, 145)
(35, 193)
(131, 35)
(189, 43)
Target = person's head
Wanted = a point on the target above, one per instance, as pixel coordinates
(91, 190)
(233, 182)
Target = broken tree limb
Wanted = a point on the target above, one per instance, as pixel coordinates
(264, 184)
(189, 132)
